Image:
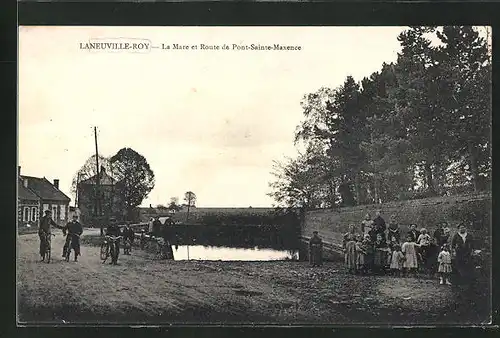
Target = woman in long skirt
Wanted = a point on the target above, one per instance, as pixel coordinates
(360, 254)
(350, 253)
(315, 250)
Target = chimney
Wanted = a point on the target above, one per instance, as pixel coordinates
(25, 182)
(56, 184)
(19, 171)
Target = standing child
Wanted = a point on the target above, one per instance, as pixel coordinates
(424, 240)
(409, 249)
(397, 261)
(380, 257)
(444, 260)
(360, 255)
(350, 253)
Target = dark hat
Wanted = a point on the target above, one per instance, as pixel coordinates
(315, 232)
(48, 211)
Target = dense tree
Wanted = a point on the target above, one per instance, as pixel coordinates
(335, 122)
(466, 66)
(135, 179)
(299, 183)
(418, 127)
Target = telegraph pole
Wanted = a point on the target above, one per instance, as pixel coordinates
(77, 183)
(97, 186)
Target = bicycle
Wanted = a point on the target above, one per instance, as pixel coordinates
(70, 245)
(48, 240)
(109, 248)
(127, 246)
(163, 249)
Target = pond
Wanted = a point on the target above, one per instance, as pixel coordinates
(212, 253)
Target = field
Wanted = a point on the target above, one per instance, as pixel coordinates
(141, 289)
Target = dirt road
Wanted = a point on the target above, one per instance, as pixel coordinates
(140, 289)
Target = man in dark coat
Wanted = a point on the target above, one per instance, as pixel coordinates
(114, 230)
(167, 238)
(379, 226)
(413, 233)
(73, 229)
(393, 232)
(462, 245)
(44, 229)
(442, 234)
(128, 238)
(157, 227)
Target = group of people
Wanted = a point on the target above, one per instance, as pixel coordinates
(162, 234)
(72, 230)
(380, 248)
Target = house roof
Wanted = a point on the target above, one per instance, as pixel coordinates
(25, 193)
(105, 179)
(44, 189)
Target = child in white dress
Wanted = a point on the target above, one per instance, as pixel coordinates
(444, 260)
(397, 260)
(409, 249)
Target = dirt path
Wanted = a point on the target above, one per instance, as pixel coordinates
(145, 290)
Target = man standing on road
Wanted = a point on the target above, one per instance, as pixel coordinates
(44, 230)
(128, 238)
(74, 229)
(114, 230)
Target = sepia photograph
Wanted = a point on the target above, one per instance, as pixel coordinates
(322, 175)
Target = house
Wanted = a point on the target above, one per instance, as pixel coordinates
(87, 196)
(35, 195)
(28, 205)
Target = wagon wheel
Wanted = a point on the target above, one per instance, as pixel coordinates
(68, 252)
(104, 252)
(47, 254)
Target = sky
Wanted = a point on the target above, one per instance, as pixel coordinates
(207, 121)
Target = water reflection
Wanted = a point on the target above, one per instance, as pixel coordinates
(211, 253)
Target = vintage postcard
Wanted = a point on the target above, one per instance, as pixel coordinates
(254, 175)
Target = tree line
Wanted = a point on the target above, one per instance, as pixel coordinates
(417, 128)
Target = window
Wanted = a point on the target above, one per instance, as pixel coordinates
(54, 212)
(45, 207)
(26, 214)
(63, 212)
(34, 214)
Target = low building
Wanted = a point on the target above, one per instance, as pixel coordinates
(49, 198)
(28, 205)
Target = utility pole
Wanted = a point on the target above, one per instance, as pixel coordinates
(98, 190)
(77, 183)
